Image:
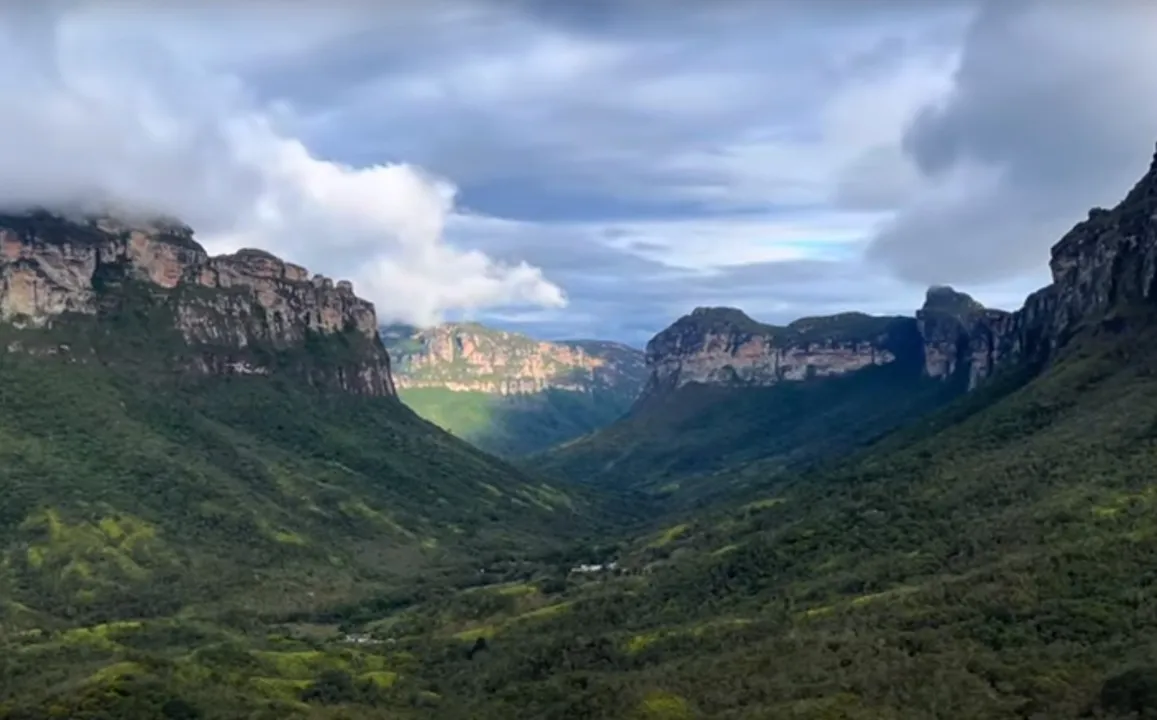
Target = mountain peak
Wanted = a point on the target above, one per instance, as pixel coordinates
(946, 299)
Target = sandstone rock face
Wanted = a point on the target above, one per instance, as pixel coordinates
(723, 346)
(470, 357)
(52, 266)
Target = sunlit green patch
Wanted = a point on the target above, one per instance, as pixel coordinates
(491, 489)
(669, 535)
(724, 550)
(485, 631)
(101, 637)
(114, 672)
(304, 664)
(818, 612)
(663, 706)
(544, 612)
(763, 504)
(286, 537)
(358, 509)
(516, 589)
(892, 594)
(554, 496)
(89, 554)
(638, 643)
(380, 678)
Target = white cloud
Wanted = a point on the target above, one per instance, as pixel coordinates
(1051, 111)
(106, 110)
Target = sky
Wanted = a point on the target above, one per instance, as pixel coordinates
(595, 169)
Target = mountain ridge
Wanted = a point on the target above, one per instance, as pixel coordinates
(238, 313)
(1107, 260)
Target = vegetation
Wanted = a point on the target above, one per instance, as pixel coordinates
(516, 425)
(181, 545)
(510, 394)
(685, 438)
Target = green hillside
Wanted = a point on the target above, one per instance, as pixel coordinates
(508, 393)
(995, 560)
(514, 425)
(155, 521)
(700, 429)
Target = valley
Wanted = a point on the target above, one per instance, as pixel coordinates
(217, 503)
(508, 393)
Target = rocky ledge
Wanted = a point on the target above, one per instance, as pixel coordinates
(232, 311)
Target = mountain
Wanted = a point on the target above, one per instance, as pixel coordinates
(190, 445)
(992, 558)
(508, 393)
(723, 388)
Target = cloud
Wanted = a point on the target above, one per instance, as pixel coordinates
(632, 152)
(1051, 111)
(108, 110)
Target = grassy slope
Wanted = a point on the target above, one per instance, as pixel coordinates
(699, 429)
(516, 425)
(188, 513)
(995, 560)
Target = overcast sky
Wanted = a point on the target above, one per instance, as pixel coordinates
(596, 168)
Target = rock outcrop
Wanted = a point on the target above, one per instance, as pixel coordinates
(959, 335)
(233, 312)
(723, 346)
(472, 357)
(1105, 264)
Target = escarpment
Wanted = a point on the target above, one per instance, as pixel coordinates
(248, 312)
(723, 346)
(469, 357)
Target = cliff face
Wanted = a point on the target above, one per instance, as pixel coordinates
(723, 346)
(235, 313)
(471, 357)
(1106, 262)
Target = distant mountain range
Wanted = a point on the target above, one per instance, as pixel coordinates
(509, 393)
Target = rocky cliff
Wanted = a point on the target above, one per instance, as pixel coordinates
(240, 313)
(723, 346)
(1106, 263)
(472, 357)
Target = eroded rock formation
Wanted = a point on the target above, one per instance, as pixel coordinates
(231, 310)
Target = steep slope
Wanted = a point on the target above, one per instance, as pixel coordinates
(508, 393)
(180, 430)
(723, 388)
(993, 559)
